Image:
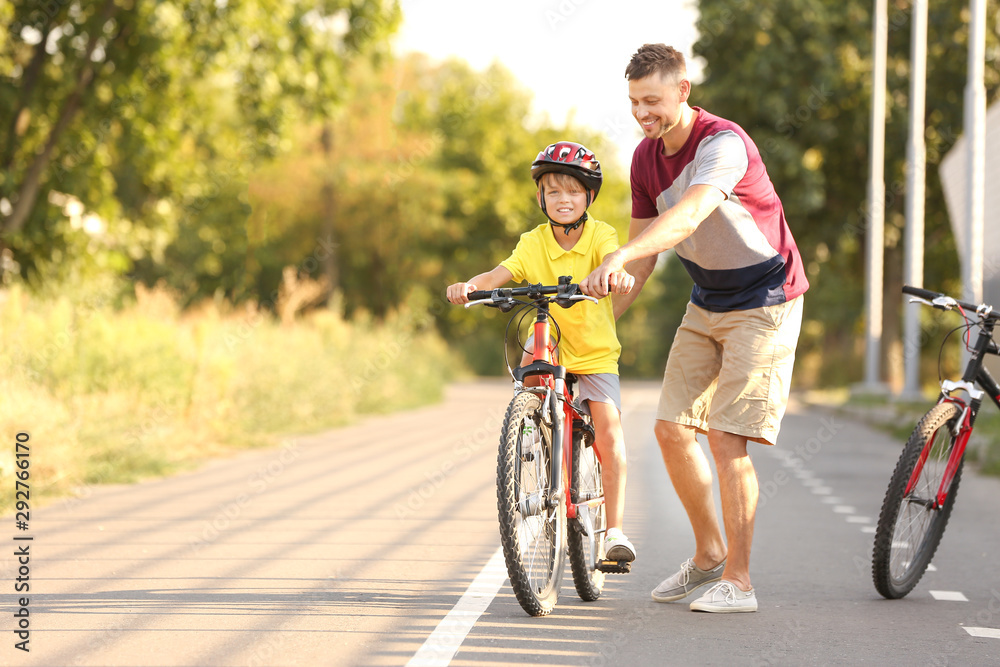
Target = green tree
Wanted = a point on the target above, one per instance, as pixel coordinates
(432, 163)
(150, 115)
(796, 74)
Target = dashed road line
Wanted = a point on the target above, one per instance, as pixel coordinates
(949, 596)
(989, 633)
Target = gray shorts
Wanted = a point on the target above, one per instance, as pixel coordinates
(597, 387)
(600, 388)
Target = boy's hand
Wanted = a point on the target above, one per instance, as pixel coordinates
(459, 292)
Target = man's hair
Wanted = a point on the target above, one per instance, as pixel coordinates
(656, 58)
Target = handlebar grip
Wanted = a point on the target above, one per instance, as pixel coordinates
(920, 292)
(478, 294)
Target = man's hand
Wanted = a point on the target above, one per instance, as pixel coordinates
(609, 278)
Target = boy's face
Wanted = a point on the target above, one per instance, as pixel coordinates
(565, 199)
(656, 102)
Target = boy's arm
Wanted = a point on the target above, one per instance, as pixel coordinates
(459, 292)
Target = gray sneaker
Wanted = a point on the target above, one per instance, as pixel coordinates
(726, 597)
(685, 582)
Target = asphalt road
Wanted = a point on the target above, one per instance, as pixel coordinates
(352, 547)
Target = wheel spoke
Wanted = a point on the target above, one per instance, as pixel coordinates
(911, 525)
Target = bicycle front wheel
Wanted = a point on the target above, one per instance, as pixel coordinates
(586, 550)
(532, 530)
(910, 525)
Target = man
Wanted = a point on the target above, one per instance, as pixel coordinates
(699, 186)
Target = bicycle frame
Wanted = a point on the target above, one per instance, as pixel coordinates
(975, 374)
(553, 378)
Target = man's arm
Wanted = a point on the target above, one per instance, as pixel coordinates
(640, 269)
(663, 233)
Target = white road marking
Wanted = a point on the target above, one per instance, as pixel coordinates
(991, 633)
(843, 509)
(951, 596)
(822, 490)
(442, 644)
(868, 529)
(858, 519)
(831, 500)
(931, 568)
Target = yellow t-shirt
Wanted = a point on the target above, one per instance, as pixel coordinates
(589, 342)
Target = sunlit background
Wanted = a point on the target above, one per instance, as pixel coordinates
(224, 220)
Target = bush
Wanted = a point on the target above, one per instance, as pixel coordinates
(117, 393)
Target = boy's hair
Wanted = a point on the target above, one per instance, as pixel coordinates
(565, 180)
(656, 59)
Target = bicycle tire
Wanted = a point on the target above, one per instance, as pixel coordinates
(584, 552)
(908, 532)
(532, 534)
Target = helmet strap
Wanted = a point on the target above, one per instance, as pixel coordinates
(570, 226)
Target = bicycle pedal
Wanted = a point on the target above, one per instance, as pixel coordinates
(615, 566)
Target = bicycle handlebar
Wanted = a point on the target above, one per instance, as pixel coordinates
(945, 302)
(565, 292)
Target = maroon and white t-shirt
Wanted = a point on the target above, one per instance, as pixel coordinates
(742, 255)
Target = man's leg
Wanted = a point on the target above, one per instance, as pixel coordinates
(691, 475)
(738, 489)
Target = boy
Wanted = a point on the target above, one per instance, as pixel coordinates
(568, 178)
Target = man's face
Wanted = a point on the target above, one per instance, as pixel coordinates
(656, 103)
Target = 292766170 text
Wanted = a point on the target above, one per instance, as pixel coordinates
(22, 548)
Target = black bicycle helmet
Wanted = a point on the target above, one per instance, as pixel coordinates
(568, 157)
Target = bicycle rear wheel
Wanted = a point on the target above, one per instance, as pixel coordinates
(585, 551)
(910, 526)
(532, 533)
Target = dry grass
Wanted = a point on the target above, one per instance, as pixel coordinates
(112, 395)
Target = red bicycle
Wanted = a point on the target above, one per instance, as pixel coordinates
(550, 497)
(924, 485)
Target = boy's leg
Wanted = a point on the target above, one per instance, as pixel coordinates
(600, 393)
(610, 444)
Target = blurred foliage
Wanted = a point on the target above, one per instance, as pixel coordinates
(120, 391)
(432, 185)
(230, 149)
(131, 127)
(796, 74)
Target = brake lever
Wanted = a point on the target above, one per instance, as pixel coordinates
(942, 302)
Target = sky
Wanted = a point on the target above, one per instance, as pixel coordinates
(570, 54)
